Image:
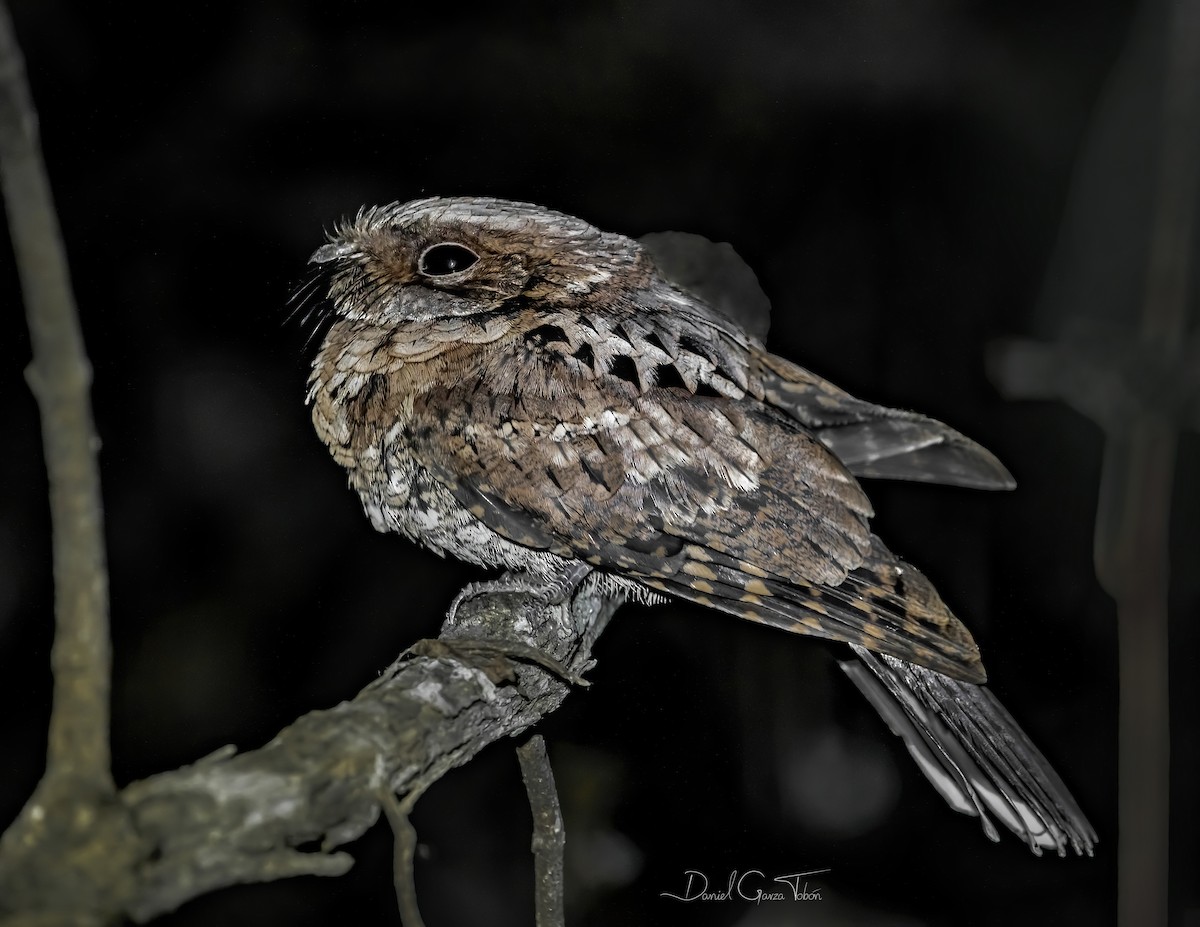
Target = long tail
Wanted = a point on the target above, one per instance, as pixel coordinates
(973, 752)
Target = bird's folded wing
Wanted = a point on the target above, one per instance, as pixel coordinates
(707, 498)
(875, 441)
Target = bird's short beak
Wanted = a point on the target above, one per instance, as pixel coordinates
(330, 252)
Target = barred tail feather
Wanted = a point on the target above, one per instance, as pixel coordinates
(973, 752)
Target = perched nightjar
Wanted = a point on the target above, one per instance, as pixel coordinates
(515, 388)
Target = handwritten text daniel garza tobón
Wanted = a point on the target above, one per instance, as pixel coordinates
(751, 885)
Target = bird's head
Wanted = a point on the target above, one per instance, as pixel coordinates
(460, 256)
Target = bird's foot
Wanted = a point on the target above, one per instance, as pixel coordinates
(551, 590)
(506, 651)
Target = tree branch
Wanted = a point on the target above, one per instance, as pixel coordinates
(282, 810)
(59, 377)
(72, 812)
(240, 818)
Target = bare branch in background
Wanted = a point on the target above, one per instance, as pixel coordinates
(1140, 389)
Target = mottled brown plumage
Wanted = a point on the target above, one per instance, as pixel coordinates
(513, 387)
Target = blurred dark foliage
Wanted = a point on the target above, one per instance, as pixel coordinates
(896, 173)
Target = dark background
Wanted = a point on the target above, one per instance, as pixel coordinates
(911, 181)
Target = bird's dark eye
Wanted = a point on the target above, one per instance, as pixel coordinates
(446, 258)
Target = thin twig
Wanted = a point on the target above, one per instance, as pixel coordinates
(549, 835)
(403, 862)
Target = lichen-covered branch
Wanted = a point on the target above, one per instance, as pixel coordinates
(240, 818)
(284, 809)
